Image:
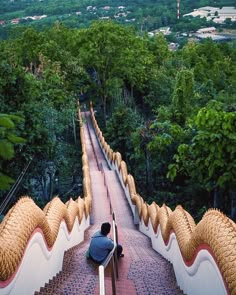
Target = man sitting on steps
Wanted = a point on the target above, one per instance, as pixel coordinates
(100, 245)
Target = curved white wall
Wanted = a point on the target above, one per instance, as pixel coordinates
(126, 189)
(39, 264)
(202, 277)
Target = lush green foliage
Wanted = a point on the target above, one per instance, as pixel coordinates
(36, 83)
(210, 156)
(8, 138)
(170, 113)
(173, 139)
(114, 57)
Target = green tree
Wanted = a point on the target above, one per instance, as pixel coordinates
(37, 87)
(141, 138)
(112, 53)
(159, 47)
(8, 139)
(182, 95)
(210, 156)
(27, 48)
(120, 127)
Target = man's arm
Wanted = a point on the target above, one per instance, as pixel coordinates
(109, 244)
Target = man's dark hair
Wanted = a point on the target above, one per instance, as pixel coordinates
(105, 228)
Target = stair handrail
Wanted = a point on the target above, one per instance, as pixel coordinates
(112, 257)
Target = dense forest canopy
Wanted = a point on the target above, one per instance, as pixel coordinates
(171, 114)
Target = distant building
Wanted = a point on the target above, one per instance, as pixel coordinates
(227, 12)
(215, 38)
(130, 20)
(217, 15)
(120, 14)
(15, 21)
(219, 20)
(209, 30)
(35, 17)
(173, 46)
(163, 30)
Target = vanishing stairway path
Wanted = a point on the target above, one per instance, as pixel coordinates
(142, 270)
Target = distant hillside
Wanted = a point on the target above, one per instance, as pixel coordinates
(144, 15)
(55, 7)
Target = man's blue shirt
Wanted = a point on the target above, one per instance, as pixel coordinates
(100, 246)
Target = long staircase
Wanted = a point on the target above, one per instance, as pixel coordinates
(141, 271)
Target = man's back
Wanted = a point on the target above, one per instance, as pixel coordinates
(100, 247)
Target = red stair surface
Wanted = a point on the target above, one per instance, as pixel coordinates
(141, 270)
